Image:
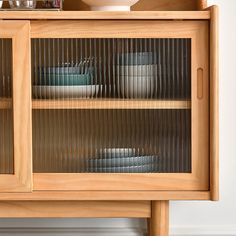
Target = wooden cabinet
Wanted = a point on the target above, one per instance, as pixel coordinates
(108, 109)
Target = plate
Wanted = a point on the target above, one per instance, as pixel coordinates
(117, 152)
(130, 169)
(87, 91)
(122, 161)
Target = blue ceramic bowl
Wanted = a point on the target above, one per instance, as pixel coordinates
(65, 79)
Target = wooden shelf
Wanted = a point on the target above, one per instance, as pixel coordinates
(5, 103)
(91, 15)
(110, 104)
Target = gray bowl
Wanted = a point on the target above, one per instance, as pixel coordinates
(136, 58)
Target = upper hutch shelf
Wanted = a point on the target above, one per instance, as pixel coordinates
(86, 15)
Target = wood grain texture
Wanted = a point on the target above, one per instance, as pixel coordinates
(146, 5)
(214, 105)
(109, 104)
(21, 181)
(89, 15)
(116, 29)
(202, 4)
(85, 209)
(105, 195)
(122, 182)
(159, 222)
(200, 107)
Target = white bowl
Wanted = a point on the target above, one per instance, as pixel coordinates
(137, 70)
(136, 86)
(110, 5)
(87, 91)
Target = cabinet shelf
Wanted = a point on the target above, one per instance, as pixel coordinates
(111, 104)
(88, 15)
(5, 103)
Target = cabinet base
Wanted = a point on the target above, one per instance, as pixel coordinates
(157, 212)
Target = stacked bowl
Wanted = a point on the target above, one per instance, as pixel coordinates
(121, 160)
(66, 81)
(136, 75)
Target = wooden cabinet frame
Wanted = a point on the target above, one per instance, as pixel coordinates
(198, 32)
(21, 180)
(103, 195)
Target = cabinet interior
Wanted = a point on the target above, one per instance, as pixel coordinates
(83, 140)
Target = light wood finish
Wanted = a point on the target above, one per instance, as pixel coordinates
(85, 209)
(202, 4)
(112, 182)
(197, 31)
(21, 181)
(117, 29)
(105, 195)
(214, 106)
(89, 15)
(6, 103)
(159, 222)
(110, 104)
(145, 5)
(200, 107)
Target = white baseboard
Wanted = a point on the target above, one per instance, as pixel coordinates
(174, 231)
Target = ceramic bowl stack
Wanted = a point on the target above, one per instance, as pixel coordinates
(136, 75)
(110, 5)
(121, 160)
(66, 81)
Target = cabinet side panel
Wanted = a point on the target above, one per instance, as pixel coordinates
(214, 106)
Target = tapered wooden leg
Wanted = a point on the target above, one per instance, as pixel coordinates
(159, 222)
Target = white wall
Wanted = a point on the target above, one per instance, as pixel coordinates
(187, 218)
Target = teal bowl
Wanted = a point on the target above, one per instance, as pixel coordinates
(65, 79)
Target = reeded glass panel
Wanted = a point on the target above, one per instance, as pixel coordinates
(111, 105)
(112, 141)
(6, 138)
(111, 68)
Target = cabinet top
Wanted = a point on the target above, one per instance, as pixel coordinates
(90, 15)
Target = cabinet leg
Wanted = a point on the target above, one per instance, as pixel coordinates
(159, 221)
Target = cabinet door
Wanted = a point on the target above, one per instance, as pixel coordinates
(120, 105)
(15, 107)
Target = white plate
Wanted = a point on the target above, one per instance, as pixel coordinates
(151, 168)
(86, 91)
(120, 161)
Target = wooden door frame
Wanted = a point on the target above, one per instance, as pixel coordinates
(21, 180)
(196, 30)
